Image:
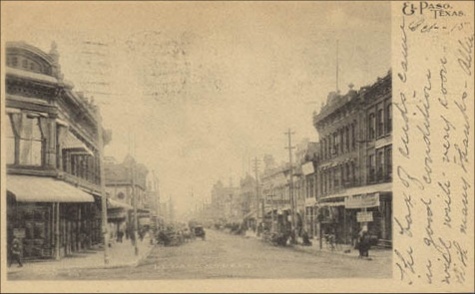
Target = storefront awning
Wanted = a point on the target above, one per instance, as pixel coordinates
(252, 213)
(114, 204)
(384, 187)
(42, 189)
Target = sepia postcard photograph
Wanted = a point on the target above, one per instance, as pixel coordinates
(237, 146)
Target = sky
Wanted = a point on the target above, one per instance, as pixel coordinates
(201, 89)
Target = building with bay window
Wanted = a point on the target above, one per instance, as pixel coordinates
(52, 157)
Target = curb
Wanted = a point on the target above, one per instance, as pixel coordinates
(135, 263)
(143, 256)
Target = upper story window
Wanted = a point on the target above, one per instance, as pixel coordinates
(10, 141)
(25, 139)
(347, 140)
(372, 168)
(353, 136)
(380, 124)
(371, 126)
(342, 140)
(336, 142)
(389, 118)
(389, 163)
(379, 165)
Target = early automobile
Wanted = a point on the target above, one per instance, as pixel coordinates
(199, 232)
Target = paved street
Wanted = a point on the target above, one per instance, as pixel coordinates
(228, 256)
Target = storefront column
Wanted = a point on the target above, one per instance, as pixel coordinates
(56, 232)
(345, 227)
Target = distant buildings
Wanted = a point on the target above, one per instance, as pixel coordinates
(341, 184)
(225, 203)
(126, 182)
(52, 156)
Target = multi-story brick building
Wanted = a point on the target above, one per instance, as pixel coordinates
(354, 188)
(52, 156)
(305, 184)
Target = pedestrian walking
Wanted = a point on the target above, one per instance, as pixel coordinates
(364, 244)
(15, 252)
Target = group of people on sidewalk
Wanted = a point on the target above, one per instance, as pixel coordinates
(15, 247)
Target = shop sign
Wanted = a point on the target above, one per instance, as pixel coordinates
(364, 216)
(277, 201)
(362, 201)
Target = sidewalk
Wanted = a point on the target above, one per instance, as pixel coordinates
(344, 250)
(120, 255)
(383, 255)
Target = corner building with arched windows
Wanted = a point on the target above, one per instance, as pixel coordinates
(52, 157)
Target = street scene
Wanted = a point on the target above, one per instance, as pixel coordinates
(223, 256)
(200, 145)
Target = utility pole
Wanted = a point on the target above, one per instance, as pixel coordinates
(337, 69)
(134, 199)
(256, 171)
(289, 133)
(157, 196)
(105, 231)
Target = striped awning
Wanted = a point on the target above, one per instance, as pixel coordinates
(43, 189)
